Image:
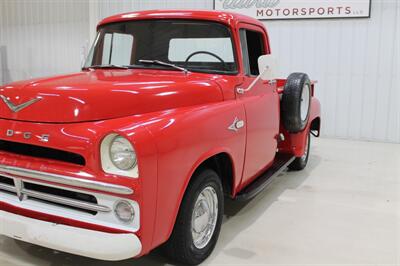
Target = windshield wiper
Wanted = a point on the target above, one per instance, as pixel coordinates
(161, 63)
(108, 66)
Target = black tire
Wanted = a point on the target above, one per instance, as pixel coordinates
(301, 162)
(291, 102)
(180, 247)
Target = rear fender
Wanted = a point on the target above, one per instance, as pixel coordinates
(296, 143)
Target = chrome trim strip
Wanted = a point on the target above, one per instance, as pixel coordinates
(66, 201)
(65, 180)
(8, 188)
(17, 108)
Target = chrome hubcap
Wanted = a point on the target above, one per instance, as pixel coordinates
(204, 217)
(305, 102)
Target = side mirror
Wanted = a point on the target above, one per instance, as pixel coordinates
(267, 66)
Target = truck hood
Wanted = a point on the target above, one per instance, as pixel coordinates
(104, 94)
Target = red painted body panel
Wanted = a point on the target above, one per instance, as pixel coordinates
(85, 138)
(182, 148)
(90, 95)
(262, 117)
(227, 18)
(175, 122)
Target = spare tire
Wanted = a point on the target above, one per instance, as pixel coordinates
(295, 105)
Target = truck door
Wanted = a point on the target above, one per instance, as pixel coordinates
(261, 105)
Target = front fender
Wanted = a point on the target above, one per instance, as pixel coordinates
(184, 139)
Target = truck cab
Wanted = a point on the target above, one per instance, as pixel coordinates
(173, 112)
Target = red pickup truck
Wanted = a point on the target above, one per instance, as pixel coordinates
(173, 112)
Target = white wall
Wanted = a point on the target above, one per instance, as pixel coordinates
(41, 38)
(356, 61)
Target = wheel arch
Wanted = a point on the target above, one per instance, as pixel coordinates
(219, 160)
(315, 126)
(222, 164)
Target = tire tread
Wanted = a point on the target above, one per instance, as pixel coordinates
(178, 247)
(291, 102)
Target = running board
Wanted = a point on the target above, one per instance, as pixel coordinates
(281, 162)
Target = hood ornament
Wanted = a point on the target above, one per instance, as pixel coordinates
(17, 108)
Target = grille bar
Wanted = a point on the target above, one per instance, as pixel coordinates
(8, 188)
(66, 201)
(22, 192)
(65, 180)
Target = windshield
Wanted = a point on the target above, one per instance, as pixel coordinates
(194, 45)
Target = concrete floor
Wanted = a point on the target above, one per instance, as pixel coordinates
(344, 209)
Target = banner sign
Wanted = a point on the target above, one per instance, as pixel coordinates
(297, 9)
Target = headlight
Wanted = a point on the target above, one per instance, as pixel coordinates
(122, 154)
(118, 156)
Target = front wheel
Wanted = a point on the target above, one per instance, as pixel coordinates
(300, 162)
(199, 220)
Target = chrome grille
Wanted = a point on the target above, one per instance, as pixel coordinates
(7, 185)
(86, 200)
(24, 189)
(10, 171)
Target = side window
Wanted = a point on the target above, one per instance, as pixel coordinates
(117, 49)
(252, 46)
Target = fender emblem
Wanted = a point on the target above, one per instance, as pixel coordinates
(17, 108)
(236, 125)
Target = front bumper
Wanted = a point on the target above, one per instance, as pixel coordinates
(78, 241)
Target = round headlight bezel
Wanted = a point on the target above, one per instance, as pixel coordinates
(108, 165)
(127, 143)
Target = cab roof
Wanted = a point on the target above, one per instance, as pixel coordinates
(228, 18)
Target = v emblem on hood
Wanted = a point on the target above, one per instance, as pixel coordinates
(17, 108)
